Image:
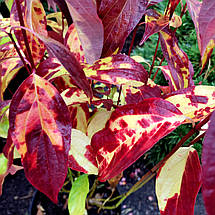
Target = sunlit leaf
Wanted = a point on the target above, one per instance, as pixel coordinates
(132, 130)
(206, 23)
(180, 67)
(89, 27)
(178, 182)
(118, 69)
(81, 157)
(208, 167)
(194, 102)
(77, 195)
(36, 46)
(73, 42)
(176, 21)
(41, 131)
(154, 23)
(119, 14)
(3, 164)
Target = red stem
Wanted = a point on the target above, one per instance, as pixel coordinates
(153, 62)
(30, 58)
(158, 68)
(132, 42)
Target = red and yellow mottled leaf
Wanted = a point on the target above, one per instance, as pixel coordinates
(73, 42)
(208, 167)
(98, 121)
(41, 131)
(134, 95)
(208, 52)
(206, 23)
(81, 157)
(154, 23)
(119, 18)
(74, 95)
(118, 69)
(178, 182)
(80, 115)
(172, 6)
(36, 46)
(194, 102)
(36, 17)
(89, 27)
(180, 67)
(130, 132)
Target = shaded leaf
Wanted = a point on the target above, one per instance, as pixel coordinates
(206, 23)
(4, 122)
(132, 130)
(180, 67)
(194, 102)
(208, 167)
(118, 69)
(41, 131)
(81, 157)
(154, 23)
(89, 27)
(178, 182)
(77, 195)
(119, 18)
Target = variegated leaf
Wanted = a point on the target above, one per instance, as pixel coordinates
(180, 67)
(118, 69)
(81, 156)
(89, 27)
(36, 46)
(98, 121)
(208, 167)
(73, 42)
(119, 18)
(154, 23)
(79, 115)
(41, 131)
(178, 182)
(130, 132)
(194, 102)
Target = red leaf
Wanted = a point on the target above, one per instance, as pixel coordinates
(206, 23)
(89, 27)
(208, 168)
(119, 18)
(117, 69)
(178, 182)
(181, 69)
(132, 130)
(41, 131)
(154, 23)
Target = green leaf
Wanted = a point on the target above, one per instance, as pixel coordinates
(77, 195)
(3, 164)
(4, 122)
(9, 4)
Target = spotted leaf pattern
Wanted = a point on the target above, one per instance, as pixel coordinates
(130, 132)
(194, 102)
(118, 69)
(180, 67)
(41, 131)
(178, 182)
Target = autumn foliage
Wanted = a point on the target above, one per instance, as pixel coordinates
(88, 107)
